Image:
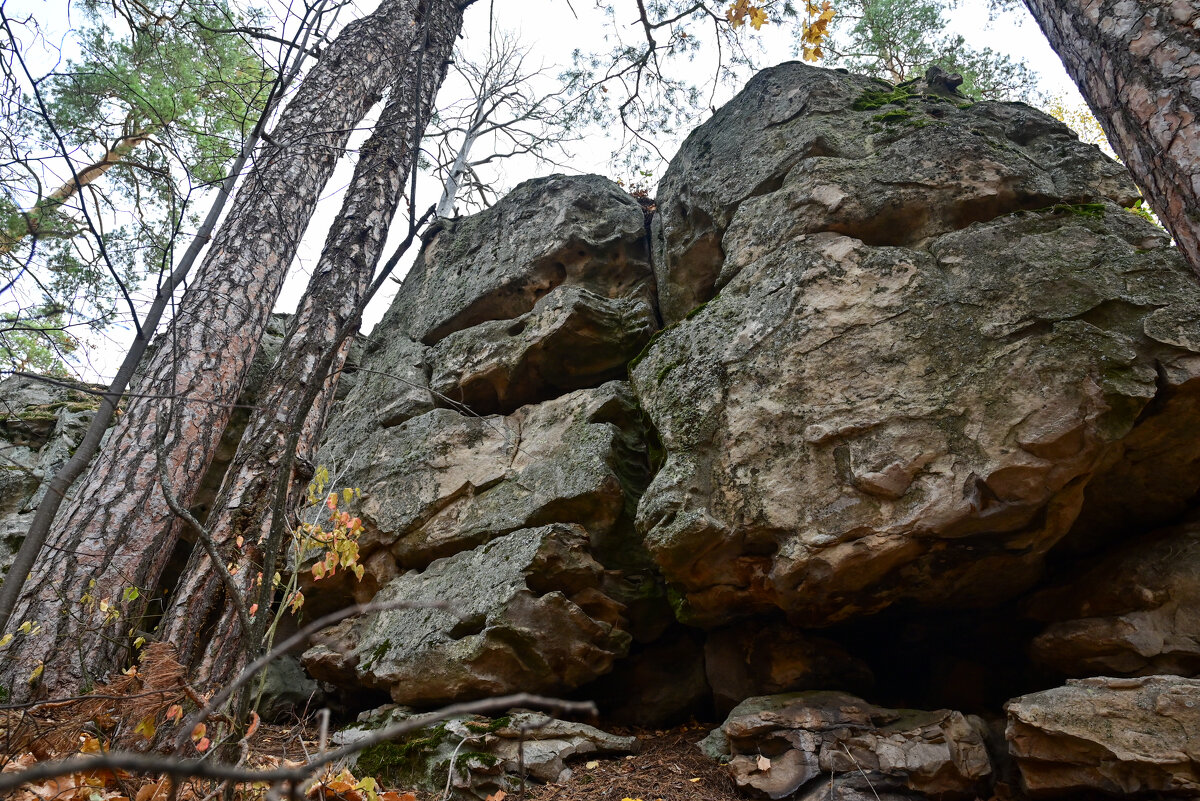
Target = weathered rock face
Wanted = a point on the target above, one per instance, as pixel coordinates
(391, 386)
(474, 756)
(40, 426)
(525, 612)
(1106, 735)
(1136, 613)
(562, 230)
(850, 422)
(445, 482)
(572, 338)
(779, 744)
(804, 150)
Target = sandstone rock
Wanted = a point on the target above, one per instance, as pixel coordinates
(805, 150)
(484, 751)
(1135, 613)
(287, 693)
(849, 425)
(549, 232)
(1109, 735)
(391, 385)
(753, 658)
(572, 338)
(525, 612)
(549, 742)
(444, 482)
(780, 744)
(40, 426)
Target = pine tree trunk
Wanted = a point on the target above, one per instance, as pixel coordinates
(118, 531)
(201, 620)
(1137, 63)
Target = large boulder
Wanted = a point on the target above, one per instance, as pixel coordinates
(571, 339)
(802, 150)
(444, 481)
(562, 230)
(848, 425)
(1134, 613)
(1109, 735)
(781, 745)
(525, 612)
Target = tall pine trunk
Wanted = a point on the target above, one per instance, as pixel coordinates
(107, 552)
(1137, 63)
(201, 621)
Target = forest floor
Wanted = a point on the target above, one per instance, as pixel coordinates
(668, 767)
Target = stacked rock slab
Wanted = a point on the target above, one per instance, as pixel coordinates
(1134, 613)
(933, 328)
(1110, 735)
(918, 349)
(495, 454)
(781, 745)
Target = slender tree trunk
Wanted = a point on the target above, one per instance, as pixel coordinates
(1137, 63)
(118, 532)
(201, 621)
(445, 206)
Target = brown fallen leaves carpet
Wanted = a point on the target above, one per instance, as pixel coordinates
(669, 768)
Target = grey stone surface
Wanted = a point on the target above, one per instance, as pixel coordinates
(474, 756)
(1120, 736)
(782, 745)
(802, 150)
(849, 425)
(445, 481)
(572, 338)
(525, 612)
(41, 424)
(548, 232)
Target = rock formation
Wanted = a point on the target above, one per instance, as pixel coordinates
(926, 404)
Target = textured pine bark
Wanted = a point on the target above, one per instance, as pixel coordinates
(200, 620)
(117, 531)
(1137, 63)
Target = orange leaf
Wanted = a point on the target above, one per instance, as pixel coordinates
(254, 721)
(203, 744)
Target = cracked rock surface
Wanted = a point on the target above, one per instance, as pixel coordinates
(525, 612)
(1109, 735)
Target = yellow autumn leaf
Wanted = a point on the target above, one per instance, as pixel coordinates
(146, 728)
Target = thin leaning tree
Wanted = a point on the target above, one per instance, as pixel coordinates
(119, 531)
(210, 619)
